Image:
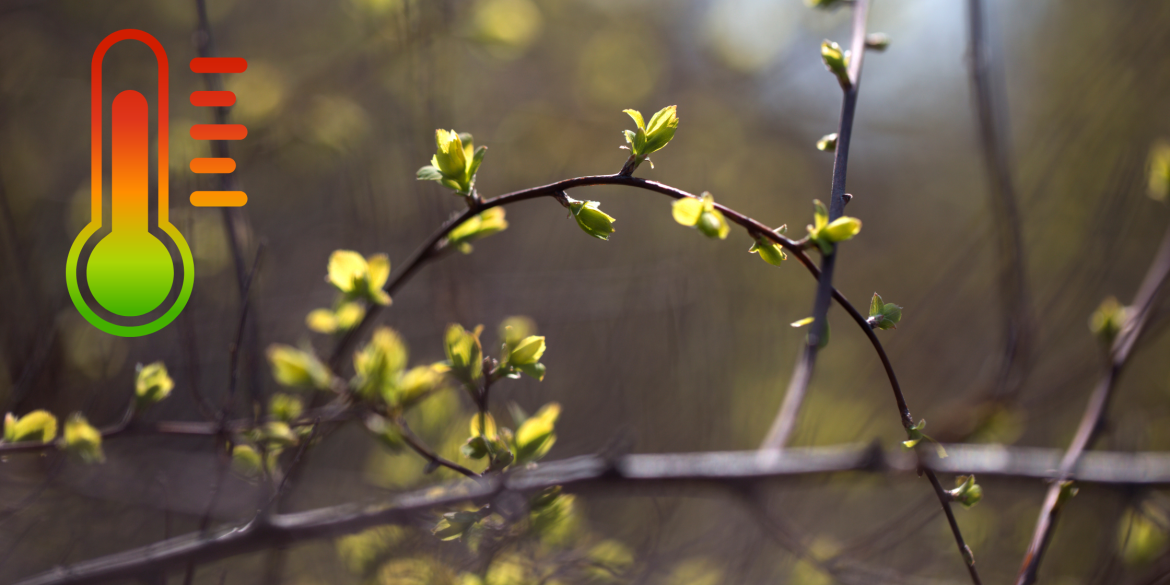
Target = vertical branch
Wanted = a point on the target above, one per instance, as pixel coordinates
(1090, 425)
(1012, 273)
(785, 421)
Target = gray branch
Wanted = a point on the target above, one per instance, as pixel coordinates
(652, 472)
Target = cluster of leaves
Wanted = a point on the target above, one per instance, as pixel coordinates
(384, 388)
(915, 436)
(967, 492)
(455, 163)
(883, 315)
(256, 452)
(649, 137)
(702, 215)
(826, 234)
(152, 384)
(359, 281)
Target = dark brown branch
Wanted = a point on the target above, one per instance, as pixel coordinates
(1091, 421)
(433, 458)
(652, 472)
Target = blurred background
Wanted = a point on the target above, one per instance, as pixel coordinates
(659, 339)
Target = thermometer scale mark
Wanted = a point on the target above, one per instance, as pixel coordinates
(213, 99)
(217, 99)
(213, 165)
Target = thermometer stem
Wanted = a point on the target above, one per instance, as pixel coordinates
(129, 162)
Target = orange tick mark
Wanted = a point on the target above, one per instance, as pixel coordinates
(219, 198)
(213, 165)
(219, 131)
(218, 65)
(213, 98)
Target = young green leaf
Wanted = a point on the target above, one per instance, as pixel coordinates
(769, 251)
(480, 226)
(378, 365)
(968, 493)
(827, 143)
(528, 351)
(151, 385)
(836, 61)
(536, 436)
(702, 215)
(358, 277)
(285, 407)
(825, 234)
(590, 219)
(464, 353)
(298, 369)
(83, 440)
(1108, 320)
(455, 162)
(38, 425)
(650, 137)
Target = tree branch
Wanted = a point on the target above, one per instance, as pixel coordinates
(1012, 274)
(649, 472)
(1095, 411)
(785, 422)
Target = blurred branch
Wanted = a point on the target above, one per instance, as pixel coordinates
(717, 469)
(1091, 422)
(130, 427)
(235, 224)
(785, 422)
(1012, 273)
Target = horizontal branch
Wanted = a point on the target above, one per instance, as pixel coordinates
(717, 469)
(130, 427)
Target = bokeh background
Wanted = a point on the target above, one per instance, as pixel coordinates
(659, 339)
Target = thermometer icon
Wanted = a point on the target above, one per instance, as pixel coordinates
(130, 272)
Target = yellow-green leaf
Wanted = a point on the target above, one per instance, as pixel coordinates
(687, 210)
(38, 425)
(152, 384)
(346, 269)
(296, 368)
(83, 440)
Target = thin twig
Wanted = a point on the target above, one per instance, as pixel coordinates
(241, 323)
(433, 458)
(1091, 421)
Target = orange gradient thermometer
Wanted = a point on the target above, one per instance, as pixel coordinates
(130, 272)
